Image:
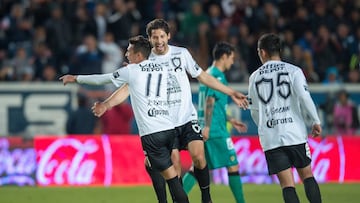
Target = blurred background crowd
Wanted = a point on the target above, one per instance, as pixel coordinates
(41, 40)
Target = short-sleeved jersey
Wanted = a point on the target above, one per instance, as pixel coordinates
(179, 62)
(279, 97)
(148, 90)
(219, 118)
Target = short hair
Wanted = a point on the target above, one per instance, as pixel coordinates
(141, 44)
(222, 48)
(157, 24)
(270, 43)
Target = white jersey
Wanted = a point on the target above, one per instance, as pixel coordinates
(148, 93)
(279, 98)
(179, 62)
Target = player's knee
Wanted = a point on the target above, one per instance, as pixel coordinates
(199, 161)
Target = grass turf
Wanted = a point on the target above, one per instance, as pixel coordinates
(331, 193)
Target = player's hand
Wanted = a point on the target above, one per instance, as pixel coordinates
(99, 109)
(238, 125)
(68, 79)
(316, 130)
(241, 100)
(205, 133)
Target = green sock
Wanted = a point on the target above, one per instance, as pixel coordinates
(188, 181)
(236, 187)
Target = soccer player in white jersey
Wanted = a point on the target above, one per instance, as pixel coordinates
(279, 97)
(147, 82)
(179, 63)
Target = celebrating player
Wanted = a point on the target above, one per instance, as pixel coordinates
(146, 81)
(279, 98)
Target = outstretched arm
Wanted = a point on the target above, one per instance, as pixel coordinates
(208, 80)
(96, 79)
(119, 96)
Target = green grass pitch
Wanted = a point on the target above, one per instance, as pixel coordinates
(331, 193)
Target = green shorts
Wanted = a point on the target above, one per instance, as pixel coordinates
(220, 152)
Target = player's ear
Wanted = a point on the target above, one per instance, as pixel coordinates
(169, 36)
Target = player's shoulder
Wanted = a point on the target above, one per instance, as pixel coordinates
(178, 49)
(254, 74)
(291, 67)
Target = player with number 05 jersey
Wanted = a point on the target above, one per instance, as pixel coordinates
(279, 99)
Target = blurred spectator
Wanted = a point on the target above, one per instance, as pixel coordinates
(319, 16)
(346, 120)
(117, 120)
(324, 51)
(328, 112)
(119, 22)
(83, 25)
(135, 17)
(288, 43)
(215, 16)
(89, 58)
(49, 73)
(113, 55)
(189, 26)
(269, 17)
(332, 76)
(58, 34)
(22, 64)
(81, 120)
(17, 26)
(42, 58)
(353, 76)
(40, 35)
(300, 23)
(303, 59)
(100, 19)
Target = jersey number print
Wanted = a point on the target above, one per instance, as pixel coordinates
(265, 87)
(148, 82)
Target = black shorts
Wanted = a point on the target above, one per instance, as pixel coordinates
(187, 133)
(157, 148)
(282, 158)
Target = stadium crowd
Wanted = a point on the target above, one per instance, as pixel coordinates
(42, 39)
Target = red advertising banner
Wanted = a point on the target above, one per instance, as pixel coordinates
(90, 160)
(17, 161)
(119, 160)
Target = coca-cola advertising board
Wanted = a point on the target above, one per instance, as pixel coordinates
(17, 162)
(119, 160)
(90, 160)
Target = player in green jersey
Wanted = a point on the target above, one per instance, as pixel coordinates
(219, 148)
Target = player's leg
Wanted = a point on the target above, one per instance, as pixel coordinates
(201, 170)
(287, 184)
(190, 136)
(312, 189)
(158, 148)
(303, 166)
(235, 183)
(158, 182)
(175, 158)
(280, 164)
(175, 186)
